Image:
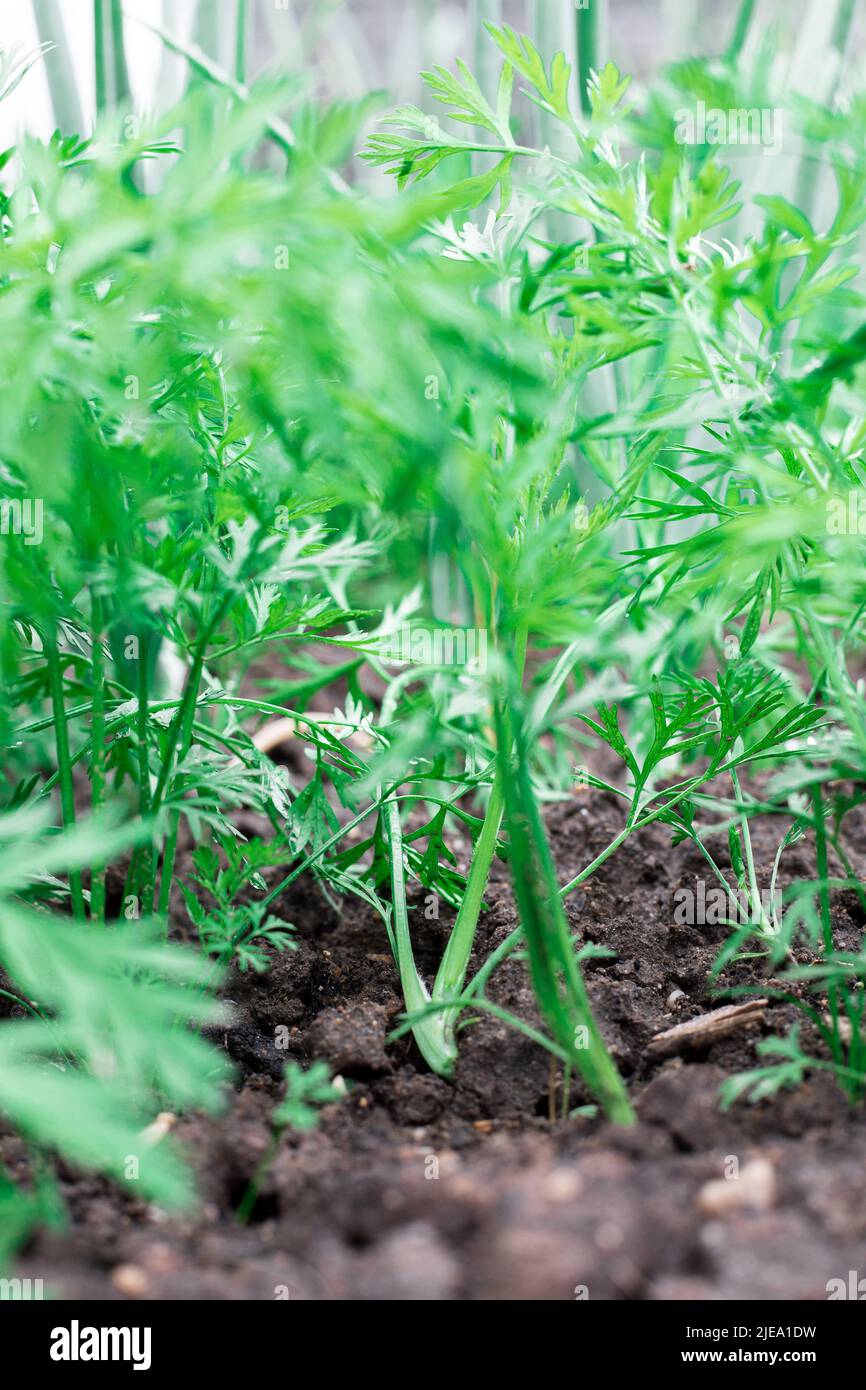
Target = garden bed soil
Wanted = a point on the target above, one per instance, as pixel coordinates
(414, 1188)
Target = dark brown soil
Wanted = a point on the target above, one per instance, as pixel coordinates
(412, 1188)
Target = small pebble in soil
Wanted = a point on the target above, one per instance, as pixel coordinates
(754, 1189)
(562, 1185)
(130, 1280)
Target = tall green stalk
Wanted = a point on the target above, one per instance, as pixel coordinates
(64, 763)
(241, 41)
(590, 38)
(556, 974)
(58, 67)
(97, 754)
(823, 870)
(548, 31)
(109, 54)
(146, 856)
(178, 745)
(428, 1032)
(182, 740)
(455, 961)
(452, 970)
(100, 56)
(741, 30)
(121, 93)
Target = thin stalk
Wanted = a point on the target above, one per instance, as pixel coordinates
(452, 969)
(58, 67)
(485, 56)
(187, 715)
(248, 1201)
(597, 861)
(546, 27)
(121, 93)
(22, 1003)
(479, 980)
(205, 34)
(638, 821)
(853, 881)
(824, 899)
(589, 33)
(241, 41)
(842, 25)
(179, 741)
(556, 975)
(806, 184)
(566, 1089)
(741, 30)
(64, 765)
(427, 1032)
(100, 57)
(146, 855)
(754, 891)
(97, 750)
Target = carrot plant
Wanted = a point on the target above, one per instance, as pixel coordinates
(729, 529)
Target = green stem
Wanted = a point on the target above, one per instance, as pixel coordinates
(597, 861)
(452, 968)
(181, 726)
(427, 1032)
(486, 56)
(741, 30)
(546, 27)
(100, 57)
(250, 1197)
(97, 750)
(64, 765)
(603, 1075)
(180, 739)
(826, 920)
(58, 67)
(842, 25)
(241, 41)
(187, 713)
(556, 975)
(589, 29)
(758, 913)
(118, 56)
(145, 867)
